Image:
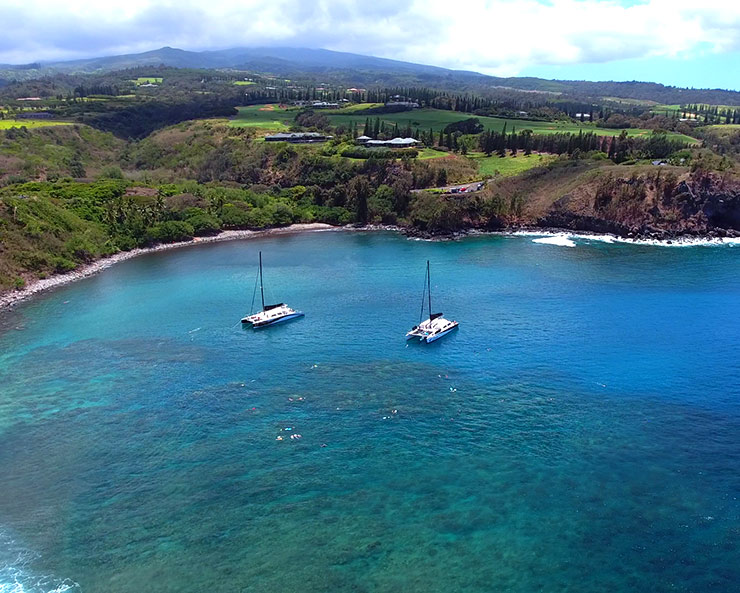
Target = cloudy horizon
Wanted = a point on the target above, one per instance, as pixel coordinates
(670, 41)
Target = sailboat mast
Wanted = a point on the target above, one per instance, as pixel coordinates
(262, 289)
(429, 289)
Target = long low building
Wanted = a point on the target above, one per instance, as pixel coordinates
(395, 143)
(298, 137)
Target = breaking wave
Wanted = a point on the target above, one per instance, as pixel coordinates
(561, 240)
(16, 575)
(572, 239)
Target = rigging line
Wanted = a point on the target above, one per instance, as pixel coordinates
(262, 284)
(423, 295)
(429, 289)
(254, 293)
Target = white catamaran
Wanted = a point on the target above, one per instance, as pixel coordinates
(270, 314)
(436, 326)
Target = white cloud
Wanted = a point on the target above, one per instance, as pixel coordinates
(492, 36)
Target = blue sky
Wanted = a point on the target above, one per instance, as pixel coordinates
(678, 42)
(720, 70)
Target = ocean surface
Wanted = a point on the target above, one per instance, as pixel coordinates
(580, 432)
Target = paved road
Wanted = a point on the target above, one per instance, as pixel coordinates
(463, 188)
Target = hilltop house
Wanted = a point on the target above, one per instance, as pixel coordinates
(395, 143)
(406, 104)
(298, 137)
(324, 105)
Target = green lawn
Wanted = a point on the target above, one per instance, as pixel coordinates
(430, 153)
(436, 119)
(350, 108)
(6, 124)
(268, 117)
(147, 80)
(507, 166)
(723, 130)
(243, 82)
(629, 101)
(272, 117)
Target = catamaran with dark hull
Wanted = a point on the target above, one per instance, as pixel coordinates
(270, 314)
(436, 326)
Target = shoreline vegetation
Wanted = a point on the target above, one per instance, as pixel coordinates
(11, 298)
(162, 158)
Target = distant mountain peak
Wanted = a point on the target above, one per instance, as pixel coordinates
(357, 69)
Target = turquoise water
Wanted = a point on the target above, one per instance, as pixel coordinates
(580, 432)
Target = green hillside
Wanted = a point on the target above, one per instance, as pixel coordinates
(274, 117)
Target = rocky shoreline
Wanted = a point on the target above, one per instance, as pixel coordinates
(13, 297)
(658, 238)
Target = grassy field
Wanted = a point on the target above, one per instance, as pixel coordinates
(430, 153)
(437, 119)
(243, 82)
(6, 124)
(351, 108)
(722, 130)
(271, 117)
(629, 101)
(507, 166)
(147, 80)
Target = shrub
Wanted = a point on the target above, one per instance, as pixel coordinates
(202, 222)
(282, 214)
(62, 264)
(125, 242)
(467, 126)
(170, 231)
(358, 152)
(233, 216)
(112, 172)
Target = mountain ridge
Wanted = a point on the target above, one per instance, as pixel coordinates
(362, 69)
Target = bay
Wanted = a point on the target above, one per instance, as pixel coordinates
(579, 432)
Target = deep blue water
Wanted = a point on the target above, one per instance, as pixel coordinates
(580, 432)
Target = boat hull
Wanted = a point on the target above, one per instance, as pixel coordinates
(270, 322)
(429, 337)
(442, 334)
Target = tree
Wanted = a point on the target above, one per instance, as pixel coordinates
(442, 177)
(76, 168)
(527, 142)
(358, 192)
(502, 143)
(380, 204)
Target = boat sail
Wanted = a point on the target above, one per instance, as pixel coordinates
(270, 314)
(435, 326)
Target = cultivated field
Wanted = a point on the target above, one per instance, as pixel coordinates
(508, 165)
(147, 80)
(270, 118)
(437, 119)
(6, 124)
(273, 117)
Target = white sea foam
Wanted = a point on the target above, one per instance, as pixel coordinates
(16, 575)
(561, 240)
(587, 237)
